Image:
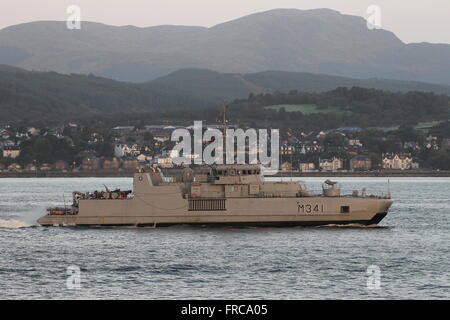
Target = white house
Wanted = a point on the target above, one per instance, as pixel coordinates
(307, 166)
(33, 131)
(164, 162)
(354, 143)
(144, 158)
(124, 150)
(11, 152)
(287, 149)
(399, 161)
(330, 164)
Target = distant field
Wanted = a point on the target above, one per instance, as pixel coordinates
(419, 126)
(426, 125)
(305, 108)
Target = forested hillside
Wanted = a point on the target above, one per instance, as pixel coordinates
(197, 94)
(344, 107)
(220, 87)
(53, 96)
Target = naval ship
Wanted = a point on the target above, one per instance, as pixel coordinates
(222, 195)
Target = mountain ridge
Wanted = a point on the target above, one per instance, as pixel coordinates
(315, 41)
(223, 86)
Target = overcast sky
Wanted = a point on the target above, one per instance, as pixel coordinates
(411, 21)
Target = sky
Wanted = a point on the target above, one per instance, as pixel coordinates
(411, 21)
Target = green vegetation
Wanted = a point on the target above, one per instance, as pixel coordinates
(36, 98)
(426, 125)
(45, 149)
(364, 108)
(76, 143)
(357, 107)
(52, 96)
(305, 108)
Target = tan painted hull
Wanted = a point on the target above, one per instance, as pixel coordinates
(166, 207)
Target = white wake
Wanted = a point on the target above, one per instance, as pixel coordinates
(14, 224)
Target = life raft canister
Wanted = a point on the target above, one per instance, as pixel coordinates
(194, 193)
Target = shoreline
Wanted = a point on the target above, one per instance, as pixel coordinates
(175, 172)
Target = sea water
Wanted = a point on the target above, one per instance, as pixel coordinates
(406, 257)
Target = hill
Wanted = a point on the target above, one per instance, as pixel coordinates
(49, 95)
(219, 87)
(314, 41)
(53, 96)
(342, 107)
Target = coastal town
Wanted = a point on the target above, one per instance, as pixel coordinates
(75, 148)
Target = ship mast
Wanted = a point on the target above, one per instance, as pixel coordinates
(224, 124)
(224, 121)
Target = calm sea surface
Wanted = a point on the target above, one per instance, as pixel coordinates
(411, 248)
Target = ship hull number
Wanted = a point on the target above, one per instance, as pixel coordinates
(309, 208)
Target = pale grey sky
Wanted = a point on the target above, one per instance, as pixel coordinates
(411, 21)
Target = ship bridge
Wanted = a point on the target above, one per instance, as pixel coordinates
(235, 174)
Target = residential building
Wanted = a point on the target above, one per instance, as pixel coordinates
(14, 167)
(5, 142)
(431, 143)
(90, 164)
(144, 157)
(286, 166)
(11, 152)
(113, 163)
(360, 162)
(355, 143)
(33, 131)
(130, 163)
(31, 167)
(402, 161)
(45, 167)
(120, 150)
(124, 150)
(164, 162)
(61, 165)
(330, 164)
(307, 167)
(287, 149)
